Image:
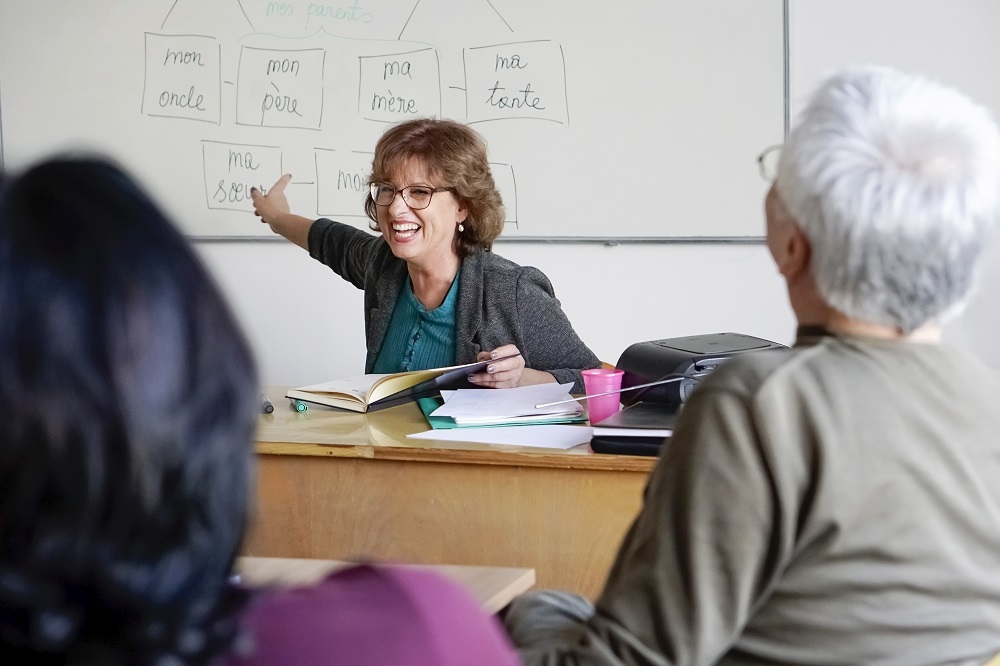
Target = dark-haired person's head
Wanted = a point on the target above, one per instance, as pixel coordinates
(128, 397)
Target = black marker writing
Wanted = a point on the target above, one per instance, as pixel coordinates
(183, 58)
(393, 104)
(513, 62)
(282, 103)
(351, 181)
(395, 68)
(242, 160)
(229, 192)
(284, 66)
(182, 100)
(527, 98)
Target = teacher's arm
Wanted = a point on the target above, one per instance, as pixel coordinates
(550, 343)
(272, 209)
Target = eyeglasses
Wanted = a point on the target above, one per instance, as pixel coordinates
(416, 197)
(768, 162)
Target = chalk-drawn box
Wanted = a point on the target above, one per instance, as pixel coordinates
(279, 88)
(400, 86)
(182, 77)
(232, 169)
(519, 80)
(342, 183)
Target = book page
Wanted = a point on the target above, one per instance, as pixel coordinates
(391, 384)
(374, 387)
(358, 387)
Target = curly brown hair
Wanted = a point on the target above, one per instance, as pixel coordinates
(456, 155)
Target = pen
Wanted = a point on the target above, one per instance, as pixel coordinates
(297, 405)
(265, 405)
(694, 376)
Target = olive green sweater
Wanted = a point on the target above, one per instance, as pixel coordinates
(836, 503)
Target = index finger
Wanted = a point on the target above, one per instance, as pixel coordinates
(279, 186)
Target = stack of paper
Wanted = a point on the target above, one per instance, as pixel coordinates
(506, 416)
(514, 406)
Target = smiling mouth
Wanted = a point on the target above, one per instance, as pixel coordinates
(404, 230)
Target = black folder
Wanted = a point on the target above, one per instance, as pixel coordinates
(641, 429)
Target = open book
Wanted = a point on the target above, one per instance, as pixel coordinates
(367, 393)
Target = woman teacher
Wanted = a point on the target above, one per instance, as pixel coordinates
(435, 293)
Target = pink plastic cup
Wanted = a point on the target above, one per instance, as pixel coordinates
(601, 380)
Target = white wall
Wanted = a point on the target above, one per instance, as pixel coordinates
(306, 324)
(976, 328)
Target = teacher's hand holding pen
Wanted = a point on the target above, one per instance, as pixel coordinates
(272, 208)
(507, 372)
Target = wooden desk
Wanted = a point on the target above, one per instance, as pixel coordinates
(346, 486)
(492, 587)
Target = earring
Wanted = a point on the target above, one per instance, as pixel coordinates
(461, 227)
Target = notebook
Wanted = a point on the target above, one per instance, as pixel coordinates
(366, 393)
(640, 429)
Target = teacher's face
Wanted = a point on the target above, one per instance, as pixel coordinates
(423, 237)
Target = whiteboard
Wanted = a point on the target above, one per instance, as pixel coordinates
(625, 120)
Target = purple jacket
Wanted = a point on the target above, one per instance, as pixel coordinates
(369, 615)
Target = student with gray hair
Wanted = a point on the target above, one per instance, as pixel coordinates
(837, 502)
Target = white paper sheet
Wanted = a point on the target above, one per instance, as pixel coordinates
(539, 436)
(600, 431)
(507, 403)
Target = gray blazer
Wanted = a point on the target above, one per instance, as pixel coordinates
(499, 302)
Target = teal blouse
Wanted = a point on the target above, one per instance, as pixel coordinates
(417, 338)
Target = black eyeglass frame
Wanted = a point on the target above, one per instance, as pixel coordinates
(374, 188)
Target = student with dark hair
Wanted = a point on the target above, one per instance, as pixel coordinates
(129, 402)
(128, 396)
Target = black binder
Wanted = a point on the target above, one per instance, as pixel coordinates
(629, 432)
